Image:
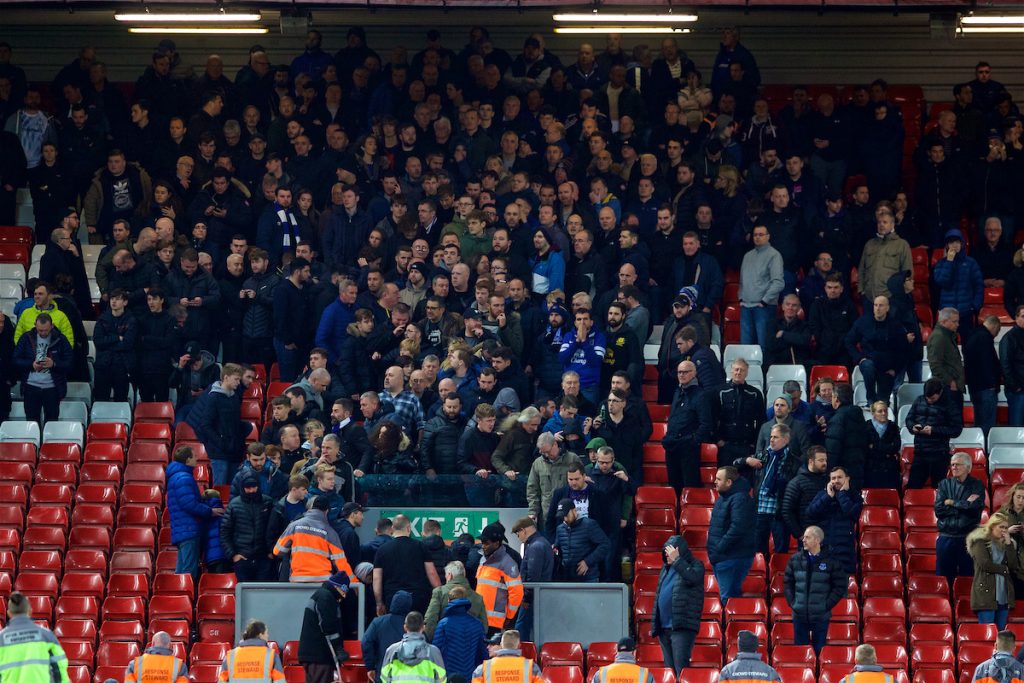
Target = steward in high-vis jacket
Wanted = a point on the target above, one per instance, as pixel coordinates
(312, 548)
(497, 579)
(157, 664)
(748, 665)
(253, 661)
(508, 665)
(29, 653)
(624, 669)
(413, 659)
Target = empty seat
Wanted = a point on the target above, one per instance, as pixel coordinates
(158, 412)
(116, 654)
(107, 431)
(112, 411)
(17, 452)
(25, 432)
(51, 494)
(152, 431)
(64, 432)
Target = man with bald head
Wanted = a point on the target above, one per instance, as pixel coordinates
(408, 412)
(157, 664)
(877, 342)
(690, 423)
(134, 278)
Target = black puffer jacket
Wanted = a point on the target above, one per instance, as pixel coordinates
(846, 440)
(813, 588)
(475, 449)
(439, 449)
(687, 592)
(837, 516)
(115, 339)
(353, 366)
(156, 342)
(963, 515)
(243, 530)
(733, 522)
(739, 414)
(800, 491)
(258, 318)
(943, 416)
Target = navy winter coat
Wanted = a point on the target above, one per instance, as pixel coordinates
(460, 638)
(884, 342)
(687, 591)
(733, 522)
(814, 588)
(216, 419)
(59, 350)
(837, 516)
(585, 541)
(115, 340)
(387, 629)
(187, 509)
(960, 284)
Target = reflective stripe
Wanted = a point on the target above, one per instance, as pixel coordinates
(311, 550)
(249, 661)
(489, 582)
(24, 662)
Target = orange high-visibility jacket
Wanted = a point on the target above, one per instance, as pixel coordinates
(498, 583)
(314, 549)
(508, 668)
(251, 662)
(156, 665)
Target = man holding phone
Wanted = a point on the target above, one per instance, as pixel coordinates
(934, 419)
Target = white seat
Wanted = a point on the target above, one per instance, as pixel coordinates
(1004, 436)
(970, 436)
(111, 411)
(906, 438)
(94, 291)
(92, 350)
(33, 270)
(91, 252)
(74, 411)
(783, 373)
(755, 374)
(79, 391)
(10, 289)
(856, 377)
(756, 382)
(7, 307)
(655, 337)
(17, 413)
(907, 392)
(926, 371)
(716, 336)
(718, 352)
(37, 253)
(89, 325)
(64, 432)
(1006, 456)
(773, 392)
(651, 353)
(12, 271)
(860, 395)
(748, 352)
(904, 411)
(20, 431)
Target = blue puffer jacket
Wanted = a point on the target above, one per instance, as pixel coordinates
(960, 283)
(731, 535)
(460, 638)
(385, 630)
(212, 550)
(187, 508)
(216, 419)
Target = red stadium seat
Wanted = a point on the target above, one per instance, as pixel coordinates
(117, 608)
(930, 610)
(12, 517)
(160, 432)
(703, 497)
(158, 412)
(83, 584)
(135, 539)
(107, 431)
(984, 633)
(37, 583)
(18, 452)
(561, 654)
(78, 607)
(883, 632)
(651, 539)
(936, 676)
(794, 656)
(655, 497)
(148, 452)
(881, 498)
(88, 561)
(217, 583)
(600, 654)
(881, 586)
(16, 472)
(662, 674)
(932, 656)
(701, 675)
(892, 655)
(210, 653)
(94, 537)
(173, 584)
(705, 656)
(41, 561)
(657, 518)
(141, 494)
(746, 609)
(935, 633)
(96, 492)
(562, 674)
(78, 652)
(83, 630)
(138, 516)
(837, 655)
(102, 472)
(122, 562)
(57, 472)
(796, 675)
(91, 514)
(44, 538)
(109, 452)
(44, 515)
(885, 610)
(124, 631)
(128, 585)
(879, 519)
(116, 653)
(51, 494)
(184, 432)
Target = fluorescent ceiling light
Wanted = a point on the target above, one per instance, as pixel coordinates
(196, 17)
(620, 29)
(992, 29)
(994, 20)
(627, 18)
(197, 29)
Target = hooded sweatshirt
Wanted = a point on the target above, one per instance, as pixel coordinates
(386, 630)
(412, 651)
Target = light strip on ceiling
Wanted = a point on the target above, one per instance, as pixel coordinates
(627, 18)
(983, 20)
(992, 29)
(197, 17)
(620, 29)
(199, 29)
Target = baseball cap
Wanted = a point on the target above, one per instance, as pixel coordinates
(626, 644)
(348, 508)
(595, 443)
(564, 506)
(492, 534)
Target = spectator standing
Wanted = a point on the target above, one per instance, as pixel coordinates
(846, 436)
(761, 282)
(882, 460)
(739, 413)
(678, 602)
(583, 353)
(290, 507)
(433, 541)
(748, 665)
(959, 502)
(216, 419)
(710, 373)
(158, 656)
(933, 420)
(460, 637)
(454, 576)
(243, 532)
(783, 412)
(351, 518)
(836, 510)
(114, 336)
(801, 490)
(511, 458)
(877, 343)
(311, 548)
(771, 469)
(982, 371)
(866, 662)
(814, 584)
(789, 337)
(996, 564)
(943, 355)
(547, 474)
(831, 318)
(958, 277)
(291, 316)
(321, 643)
(581, 544)
(1011, 357)
(189, 514)
(623, 667)
(28, 651)
(384, 631)
(731, 541)
(538, 565)
(884, 255)
(690, 423)
(498, 580)
(43, 357)
(1002, 663)
(403, 563)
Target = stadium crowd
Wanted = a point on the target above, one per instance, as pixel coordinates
(455, 258)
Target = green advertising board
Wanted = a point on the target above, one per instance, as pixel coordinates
(453, 521)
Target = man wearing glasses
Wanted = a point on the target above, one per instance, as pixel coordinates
(689, 425)
(959, 502)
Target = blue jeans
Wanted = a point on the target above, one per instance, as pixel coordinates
(730, 575)
(288, 361)
(524, 621)
(878, 383)
(813, 633)
(1015, 400)
(223, 471)
(188, 557)
(754, 325)
(998, 616)
(985, 408)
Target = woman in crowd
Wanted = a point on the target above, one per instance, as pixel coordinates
(996, 563)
